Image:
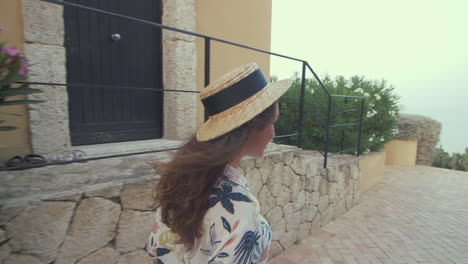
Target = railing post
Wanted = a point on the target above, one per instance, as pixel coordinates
(342, 139)
(207, 66)
(301, 106)
(207, 61)
(360, 127)
(345, 113)
(327, 139)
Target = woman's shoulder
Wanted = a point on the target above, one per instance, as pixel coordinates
(233, 225)
(232, 198)
(232, 204)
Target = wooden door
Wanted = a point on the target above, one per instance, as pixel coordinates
(110, 51)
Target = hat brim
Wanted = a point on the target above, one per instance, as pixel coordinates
(220, 124)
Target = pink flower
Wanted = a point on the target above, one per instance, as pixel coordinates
(1, 28)
(11, 51)
(24, 67)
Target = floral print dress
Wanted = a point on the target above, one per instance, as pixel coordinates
(235, 232)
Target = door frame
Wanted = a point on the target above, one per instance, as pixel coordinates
(99, 116)
(49, 121)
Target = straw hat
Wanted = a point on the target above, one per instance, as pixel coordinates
(237, 97)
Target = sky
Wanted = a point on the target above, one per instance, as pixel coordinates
(420, 47)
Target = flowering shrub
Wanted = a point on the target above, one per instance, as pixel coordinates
(379, 119)
(13, 68)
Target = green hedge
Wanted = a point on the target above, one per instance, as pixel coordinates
(380, 113)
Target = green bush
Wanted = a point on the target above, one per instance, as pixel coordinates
(456, 161)
(380, 113)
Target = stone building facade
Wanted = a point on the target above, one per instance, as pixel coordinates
(40, 31)
(44, 47)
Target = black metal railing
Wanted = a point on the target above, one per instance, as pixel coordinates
(207, 58)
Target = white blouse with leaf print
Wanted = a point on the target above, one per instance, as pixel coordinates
(235, 232)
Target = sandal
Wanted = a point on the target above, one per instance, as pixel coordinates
(35, 159)
(63, 155)
(16, 163)
(69, 155)
(79, 154)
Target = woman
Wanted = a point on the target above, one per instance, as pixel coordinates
(206, 213)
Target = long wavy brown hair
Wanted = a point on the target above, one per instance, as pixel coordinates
(186, 181)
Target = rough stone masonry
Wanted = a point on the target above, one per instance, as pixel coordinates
(101, 211)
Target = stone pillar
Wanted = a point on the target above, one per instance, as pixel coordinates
(44, 37)
(179, 69)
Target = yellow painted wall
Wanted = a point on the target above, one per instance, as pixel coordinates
(15, 142)
(401, 152)
(372, 169)
(244, 21)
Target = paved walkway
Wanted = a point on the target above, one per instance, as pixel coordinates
(415, 215)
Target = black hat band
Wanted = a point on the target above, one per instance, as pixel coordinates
(234, 94)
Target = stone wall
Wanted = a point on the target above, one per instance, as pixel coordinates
(298, 196)
(109, 222)
(424, 130)
(105, 226)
